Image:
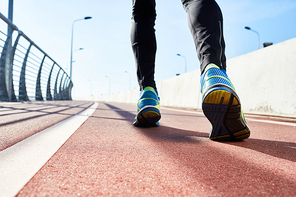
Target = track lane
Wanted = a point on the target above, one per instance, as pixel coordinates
(20, 162)
(20, 120)
(108, 156)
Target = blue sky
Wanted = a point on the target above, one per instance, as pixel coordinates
(106, 37)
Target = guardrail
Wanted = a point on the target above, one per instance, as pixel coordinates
(27, 73)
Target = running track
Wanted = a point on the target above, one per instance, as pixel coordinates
(108, 156)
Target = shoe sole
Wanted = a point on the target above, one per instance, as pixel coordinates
(147, 117)
(222, 107)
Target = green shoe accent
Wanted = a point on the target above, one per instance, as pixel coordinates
(148, 108)
(222, 107)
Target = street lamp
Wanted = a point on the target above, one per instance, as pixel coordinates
(249, 28)
(109, 84)
(78, 49)
(185, 61)
(129, 79)
(75, 51)
(73, 61)
(90, 86)
(85, 18)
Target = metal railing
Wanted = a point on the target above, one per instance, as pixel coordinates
(27, 73)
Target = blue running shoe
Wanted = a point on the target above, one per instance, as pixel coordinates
(221, 105)
(148, 108)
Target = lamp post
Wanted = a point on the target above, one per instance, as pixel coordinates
(185, 61)
(9, 48)
(129, 79)
(90, 86)
(71, 56)
(109, 84)
(249, 28)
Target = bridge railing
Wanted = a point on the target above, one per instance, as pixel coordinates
(27, 73)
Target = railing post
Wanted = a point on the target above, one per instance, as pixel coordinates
(38, 92)
(64, 89)
(60, 95)
(23, 96)
(3, 70)
(55, 97)
(65, 93)
(48, 92)
(70, 90)
(12, 92)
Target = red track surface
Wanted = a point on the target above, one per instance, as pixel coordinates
(108, 156)
(21, 120)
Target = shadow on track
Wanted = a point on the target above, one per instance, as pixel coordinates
(283, 150)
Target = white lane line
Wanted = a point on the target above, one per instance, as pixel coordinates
(19, 163)
(273, 122)
(248, 119)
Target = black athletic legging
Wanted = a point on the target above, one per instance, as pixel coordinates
(206, 25)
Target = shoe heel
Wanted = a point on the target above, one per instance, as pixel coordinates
(222, 108)
(148, 116)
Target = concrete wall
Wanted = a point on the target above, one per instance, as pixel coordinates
(265, 81)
